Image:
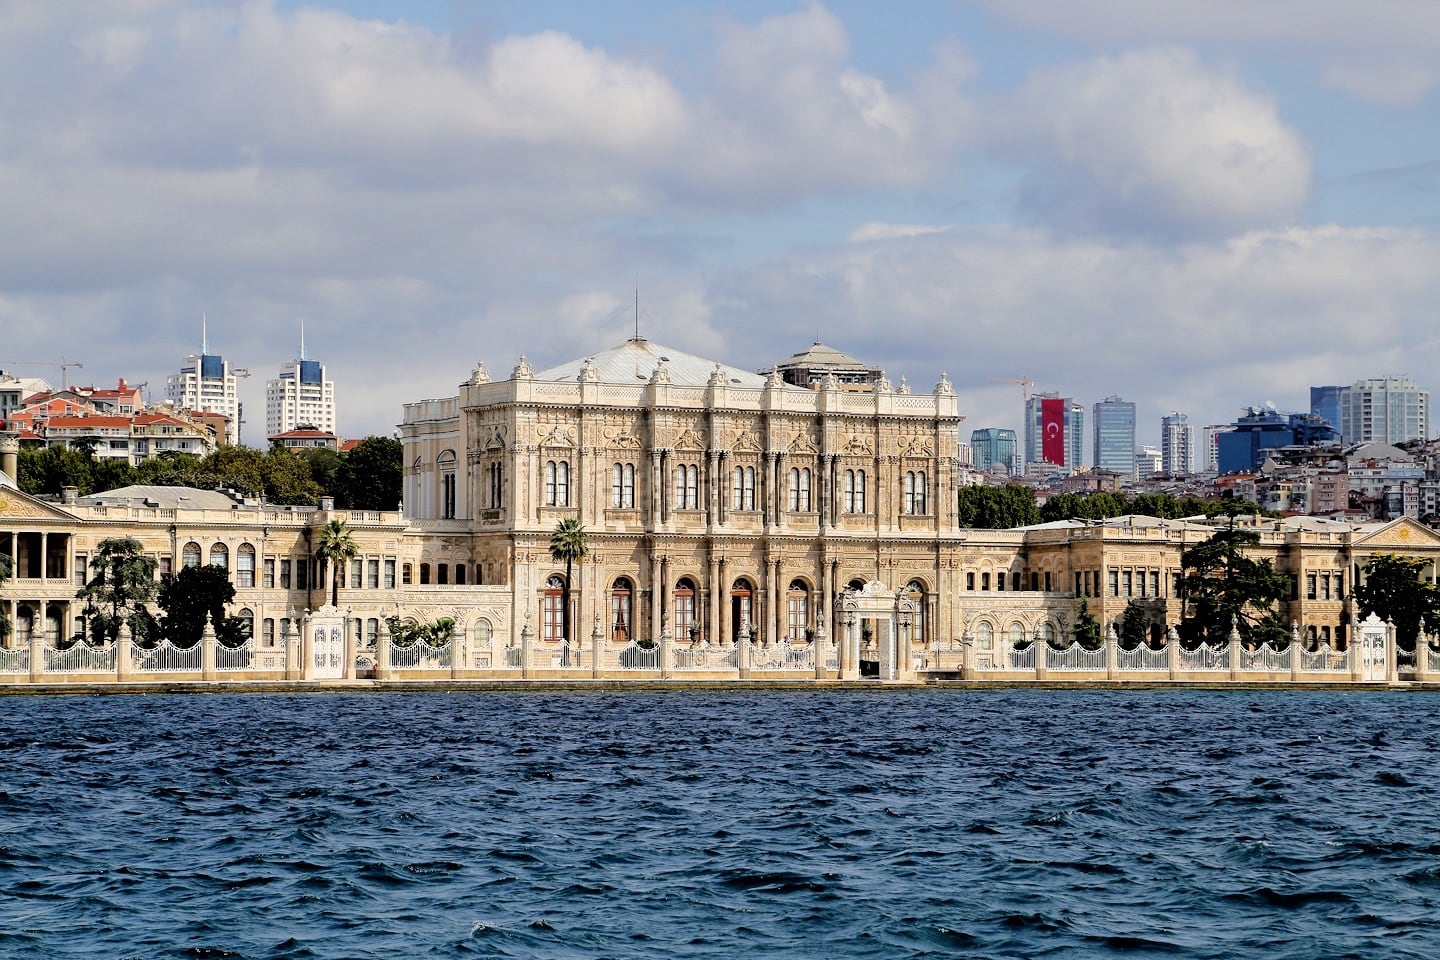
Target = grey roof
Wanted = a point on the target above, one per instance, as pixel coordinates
(634, 361)
(6, 482)
(821, 355)
(163, 498)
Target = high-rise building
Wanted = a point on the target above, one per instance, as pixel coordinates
(1325, 404)
(1384, 410)
(300, 396)
(1264, 429)
(1210, 444)
(1114, 447)
(1177, 444)
(1054, 431)
(1148, 461)
(994, 448)
(206, 383)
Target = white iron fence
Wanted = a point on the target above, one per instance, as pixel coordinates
(15, 661)
(704, 657)
(165, 657)
(1143, 658)
(80, 658)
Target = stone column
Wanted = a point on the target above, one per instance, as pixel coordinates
(1422, 659)
(37, 655)
(382, 651)
(44, 565)
(1392, 664)
(715, 597)
(722, 606)
(1234, 652)
(777, 593)
(525, 651)
(742, 656)
(1112, 653)
(1172, 652)
(306, 649)
(1042, 649)
(653, 627)
(457, 653)
(1294, 652)
(597, 637)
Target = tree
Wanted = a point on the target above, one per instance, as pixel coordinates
(1087, 629)
(46, 471)
(335, 548)
(1393, 590)
(122, 585)
(997, 508)
(1221, 586)
(190, 598)
(287, 479)
(324, 466)
(370, 477)
(569, 543)
(407, 632)
(239, 468)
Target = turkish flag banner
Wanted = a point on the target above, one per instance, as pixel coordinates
(1052, 426)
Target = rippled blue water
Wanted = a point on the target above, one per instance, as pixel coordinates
(716, 824)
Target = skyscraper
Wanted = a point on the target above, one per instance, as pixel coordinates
(1177, 444)
(1054, 431)
(1114, 447)
(300, 394)
(994, 446)
(1384, 410)
(206, 382)
(1325, 403)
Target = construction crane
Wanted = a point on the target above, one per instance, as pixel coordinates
(62, 363)
(1025, 384)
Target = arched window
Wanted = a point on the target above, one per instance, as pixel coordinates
(1017, 634)
(622, 486)
(800, 489)
(442, 572)
(460, 574)
(913, 493)
(247, 621)
(797, 610)
(854, 491)
(446, 463)
(245, 566)
(622, 616)
(424, 574)
(687, 487)
(557, 483)
(407, 574)
(190, 555)
(742, 611)
(1047, 633)
(744, 488)
(483, 632)
(220, 556)
(984, 636)
(552, 623)
(921, 628)
(684, 609)
(496, 473)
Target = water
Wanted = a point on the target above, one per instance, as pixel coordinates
(717, 824)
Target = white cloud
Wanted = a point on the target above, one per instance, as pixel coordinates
(1154, 143)
(1383, 51)
(892, 231)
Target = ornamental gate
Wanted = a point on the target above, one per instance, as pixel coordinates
(327, 644)
(1373, 632)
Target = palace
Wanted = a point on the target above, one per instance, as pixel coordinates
(723, 508)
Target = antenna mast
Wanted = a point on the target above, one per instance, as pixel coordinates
(637, 306)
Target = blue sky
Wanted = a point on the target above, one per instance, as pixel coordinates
(1194, 206)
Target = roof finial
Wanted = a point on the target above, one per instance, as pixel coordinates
(637, 307)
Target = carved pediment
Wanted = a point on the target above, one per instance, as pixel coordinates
(496, 439)
(859, 446)
(622, 439)
(690, 440)
(558, 435)
(22, 506)
(803, 444)
(1402, 534)
(914, 446)
(745, 441)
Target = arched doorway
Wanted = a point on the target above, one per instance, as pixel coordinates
(552, 618)
(685, 625)
(742, 609)
(797, 610)
(920, 630)
(622, 610)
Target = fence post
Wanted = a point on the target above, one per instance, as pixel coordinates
(1234, 651)
(1392, 659)
(457, 650)
(1041, 656)
(1172, 652)
(1422, 658)
(123, 645)
(1294, 652)
(596, 635)
(1112, 653)
(664, 654)
(817, 647)
(307, 649)
(207, 652)
(525, 651)
(382, 651)
(37, 656)
(350, 646)
(1354, 655)
(742, 656)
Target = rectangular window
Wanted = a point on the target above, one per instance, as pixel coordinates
(1015, 580)
(355, 568)
(1114, 583)
(389, 574)
(244, 569)
(406, 575)
(302, 574)
(1129, 585)
(285, 574)
(970, 580)
(82, 568)
(1154, 583)
(1047, 581)
(1310, 591)
(372, 579)
(269, 568)
(985, 581)
(1000, 580)
(1140, 582)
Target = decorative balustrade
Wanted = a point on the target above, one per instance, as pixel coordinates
(15, 661)
(782, 656)
(1143, 658)
(704, 657)
(1205, 657)
(165, 657)
(1075, 657)
(561, 656)
(80, 658)
(1265, 658)
(1432, 659)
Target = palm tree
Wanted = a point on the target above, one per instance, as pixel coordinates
(570, 543)
(336, 547)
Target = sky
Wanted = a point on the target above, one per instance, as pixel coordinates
(1194, 206)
